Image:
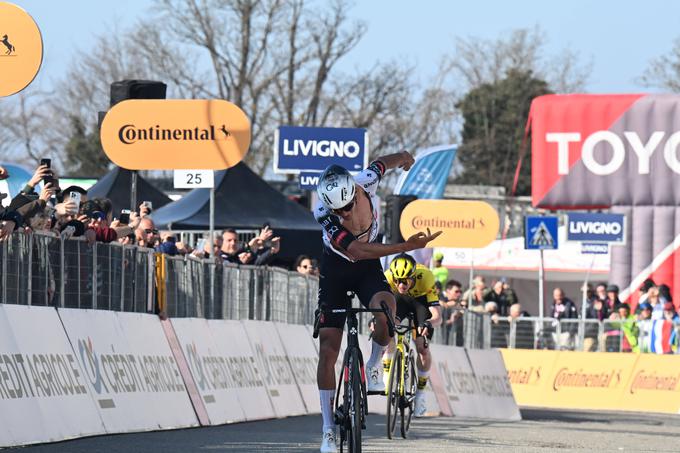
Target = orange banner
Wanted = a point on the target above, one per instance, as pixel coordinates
(175, 134)
(594, 380)
(470, 224)
(21, 49)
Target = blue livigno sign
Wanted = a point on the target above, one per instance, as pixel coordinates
(596, 227)
(309, 180)
(312, 149)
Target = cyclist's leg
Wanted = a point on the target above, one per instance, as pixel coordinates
(332, 294)
(372, 289)
(401, 311)
(422, 314)
(330, 339)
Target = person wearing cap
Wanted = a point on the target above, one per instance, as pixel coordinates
(670, 313)
(629, 328)
(441, 273)
(645, 325)
(613, 301)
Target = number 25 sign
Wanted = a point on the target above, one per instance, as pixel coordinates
(194, 179)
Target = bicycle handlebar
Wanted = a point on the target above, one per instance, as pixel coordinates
(384, 309)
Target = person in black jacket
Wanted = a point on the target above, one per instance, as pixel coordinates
(564, 308)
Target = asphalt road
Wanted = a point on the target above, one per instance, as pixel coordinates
(541, 430)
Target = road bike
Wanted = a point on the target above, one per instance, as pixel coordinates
(350, 412)
(403, 381)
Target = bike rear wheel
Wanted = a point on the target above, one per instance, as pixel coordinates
(393, 396)
(411, 387)
(356, 404)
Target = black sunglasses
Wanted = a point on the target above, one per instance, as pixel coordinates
(404, 281)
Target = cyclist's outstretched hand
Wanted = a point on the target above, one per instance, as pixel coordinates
(420, 239)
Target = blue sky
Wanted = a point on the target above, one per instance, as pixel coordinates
(619, 36)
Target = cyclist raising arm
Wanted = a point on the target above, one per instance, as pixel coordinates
(346, 211)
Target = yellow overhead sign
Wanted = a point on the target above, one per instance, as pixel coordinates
(21, 49)
(470, 224)
(175, 134)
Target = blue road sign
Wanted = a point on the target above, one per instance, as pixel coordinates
(301, 149)
(595, 227)
(594, 248)
(309, 180)
(540, 232)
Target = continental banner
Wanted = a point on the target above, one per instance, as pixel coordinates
(594, 381)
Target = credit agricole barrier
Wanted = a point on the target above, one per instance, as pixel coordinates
(594, 380)
(68, 373)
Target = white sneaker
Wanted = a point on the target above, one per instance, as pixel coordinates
(375, 380)
(421, 407)
(328, 442)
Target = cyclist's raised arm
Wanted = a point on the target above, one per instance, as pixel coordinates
(402, 159)
(363, 250)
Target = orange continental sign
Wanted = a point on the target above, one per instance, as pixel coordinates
(529, 374)
(654, 384)
(175, 134)
(21, 49)
(594, 380)
(469, 224)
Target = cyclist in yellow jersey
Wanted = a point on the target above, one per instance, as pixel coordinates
(414, 288)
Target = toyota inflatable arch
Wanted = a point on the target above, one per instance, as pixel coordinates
(618, 152)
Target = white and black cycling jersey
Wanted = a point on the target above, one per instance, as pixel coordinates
(336, 237)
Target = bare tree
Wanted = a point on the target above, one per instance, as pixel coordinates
(25, 127)
(476, 61)
(664, 71)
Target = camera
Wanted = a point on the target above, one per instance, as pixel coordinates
(124, 216)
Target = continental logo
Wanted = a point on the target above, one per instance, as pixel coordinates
(650, 380)
(21, 49)
(419, 222)
(130, 134)
(525, 376)
(175, 134)
(469, 224)
(580, 379)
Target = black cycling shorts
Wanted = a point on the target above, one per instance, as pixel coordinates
(338, 276)
(421, 312)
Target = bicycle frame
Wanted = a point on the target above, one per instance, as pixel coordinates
(403, 345)
(350, 414)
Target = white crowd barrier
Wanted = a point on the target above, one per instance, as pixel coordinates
(129, 369)
(73, 373)
(44, 394)
(476, 382)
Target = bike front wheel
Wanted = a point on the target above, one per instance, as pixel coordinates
(356, 403)
(393, 396)
(410, 389)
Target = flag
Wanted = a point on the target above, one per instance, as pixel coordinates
(427, 177)
(662, 336)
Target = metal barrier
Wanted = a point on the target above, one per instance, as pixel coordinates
(214, 290)
(44, 269)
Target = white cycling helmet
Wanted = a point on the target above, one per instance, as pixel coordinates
(336, 187)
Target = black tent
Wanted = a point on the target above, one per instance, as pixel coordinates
(116, 186)
(243, 200)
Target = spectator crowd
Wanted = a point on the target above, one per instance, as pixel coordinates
(69, 212)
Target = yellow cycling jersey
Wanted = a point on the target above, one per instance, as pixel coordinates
(423, 290)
